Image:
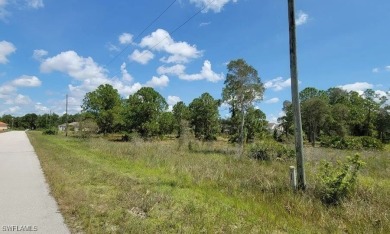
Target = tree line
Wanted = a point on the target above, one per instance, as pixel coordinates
(337, 112)
(332, 112)
(146, 111)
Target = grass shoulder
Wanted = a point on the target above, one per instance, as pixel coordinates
(136, 187)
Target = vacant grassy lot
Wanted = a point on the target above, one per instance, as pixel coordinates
(155, 187)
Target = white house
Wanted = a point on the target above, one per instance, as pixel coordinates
(74, 126)
(3, 126)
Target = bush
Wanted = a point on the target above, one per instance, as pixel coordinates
(351, 143)
(268, 150)
(371, 143)
(50, 131)
(337, 181)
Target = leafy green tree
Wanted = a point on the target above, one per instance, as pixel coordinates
(337, 96)
(383, 124)
(30, 121)
(287, 121)
(372, 102)
(255, 123)
(166, 123)
(142, 111)
(204, 116)
(338, 120)
(181, 115)
(243, 87)
(105, 105)
(314, 112)
(356, 116)
(310, 92)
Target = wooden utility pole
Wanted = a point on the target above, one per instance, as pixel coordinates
(295, 98)
(66, 116)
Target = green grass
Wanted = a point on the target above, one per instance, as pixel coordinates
(103, 186)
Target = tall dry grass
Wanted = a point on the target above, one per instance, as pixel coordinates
(136, 187)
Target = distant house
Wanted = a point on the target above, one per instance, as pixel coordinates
(3, 126)
(273, 126)
(74, 126)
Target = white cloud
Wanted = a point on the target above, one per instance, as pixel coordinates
(7, 89)
(272, 100)
(381, 69)
(358, 87)
(172, 100)
(19, 99)
(40, 54)
(27, 81)
(40, 108)
(125, 38)
(278, 84)
(208, 5)
(141, 57)
(125, 74)
(112, 47)
(181, 52)
(10, 110)
(71, 63)
(302, 18)
(3, 12)
(88, 72)
(205, 74)
(14, 109)
(35, 3)
(177, 70)
(6, 48)
(20, 4)
(126, 90)
(204, 24)
(161, 81)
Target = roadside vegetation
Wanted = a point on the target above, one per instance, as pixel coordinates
(106, 186)
(138, 165)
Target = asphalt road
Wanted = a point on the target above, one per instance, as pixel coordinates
(26, 205)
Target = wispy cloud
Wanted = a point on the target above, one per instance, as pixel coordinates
(35, 3)
(381, 69)
(302, 18)
(6, 49)
(179, 51)
(204, 24)
(207, 5)
(357, 86)
(278, 84)
(205, 74)
(272, 100)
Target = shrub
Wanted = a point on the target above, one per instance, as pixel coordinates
(351, 143)
(269, 149)
(50, 131)
(371, 143)
(337, 181)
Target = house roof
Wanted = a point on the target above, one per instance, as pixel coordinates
(2, 124)
(75, 124)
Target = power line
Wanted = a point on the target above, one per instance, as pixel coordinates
(150, 24)
(172, 31)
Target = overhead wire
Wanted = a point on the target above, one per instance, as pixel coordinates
(173, 31)
(139, 34)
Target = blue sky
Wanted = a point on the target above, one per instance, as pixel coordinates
(50, 48)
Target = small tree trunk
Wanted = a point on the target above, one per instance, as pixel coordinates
(242, 129)
(313, 137)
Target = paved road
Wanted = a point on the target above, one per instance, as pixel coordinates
(25, 203)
